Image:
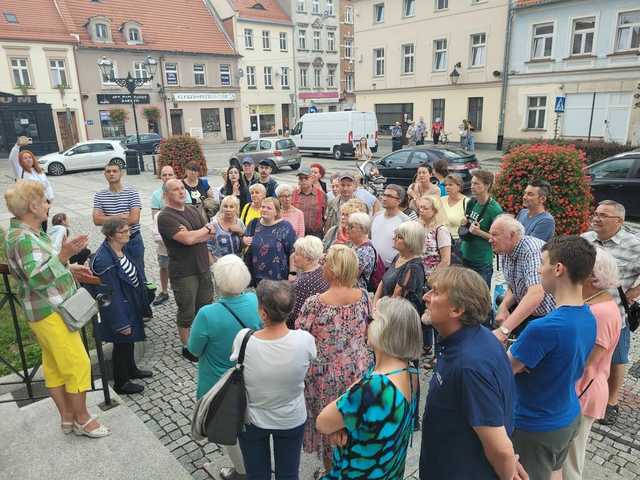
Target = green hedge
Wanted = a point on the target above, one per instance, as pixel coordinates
(594, 150)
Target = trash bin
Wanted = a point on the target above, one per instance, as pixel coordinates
(141, 161)
(133, 167)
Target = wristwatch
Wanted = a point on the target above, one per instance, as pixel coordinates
(505, 331)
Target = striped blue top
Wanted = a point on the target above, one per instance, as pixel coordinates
(130, 270)
(114, 203)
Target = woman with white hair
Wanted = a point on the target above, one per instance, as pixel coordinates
(214, 329)
(307, 252)
(370, 444)
(288, 212)
(359, 227)
(251, 210)
(593, 388)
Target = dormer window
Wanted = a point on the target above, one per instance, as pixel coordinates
(102, 32)
(258, 6)
(132, 33)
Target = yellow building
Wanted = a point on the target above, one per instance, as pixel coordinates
(431, 58)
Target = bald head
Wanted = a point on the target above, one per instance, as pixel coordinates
(174, 193)
(505, 233)
(167, 173)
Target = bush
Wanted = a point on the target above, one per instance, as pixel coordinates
(595, 150)
(118, 115)
(179, 150)
(562, 166)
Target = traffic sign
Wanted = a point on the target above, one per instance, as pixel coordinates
(313, 109)
(560, 104)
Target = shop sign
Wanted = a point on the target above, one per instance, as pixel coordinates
(8, 99)
(204, 97)
(121, 98)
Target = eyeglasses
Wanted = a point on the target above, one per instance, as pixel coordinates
(388, 195)
(604, 216)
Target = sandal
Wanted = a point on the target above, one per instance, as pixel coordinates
(66, 427)
(99, 432)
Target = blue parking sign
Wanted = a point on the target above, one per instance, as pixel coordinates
(560, 104)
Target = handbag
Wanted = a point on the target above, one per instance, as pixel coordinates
(632, 310)
(226, 413)
(77, 310)
(463, 230)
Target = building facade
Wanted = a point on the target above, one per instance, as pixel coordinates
(586, 54)
(347, 68)
(195, 87)
(431, 58)
(316, 53)
(39, 81)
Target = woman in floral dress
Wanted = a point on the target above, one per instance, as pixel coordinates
(338, 321)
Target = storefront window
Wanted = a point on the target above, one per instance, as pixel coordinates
(25, 124)
(111, 129)
(210, 120)
(263, 119)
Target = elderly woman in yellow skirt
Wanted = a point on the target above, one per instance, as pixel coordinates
(46, 280)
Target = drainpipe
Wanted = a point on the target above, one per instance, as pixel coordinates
(505, 76)
(164, 96)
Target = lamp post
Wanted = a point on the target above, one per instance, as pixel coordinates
(454, 76)
(129, 82)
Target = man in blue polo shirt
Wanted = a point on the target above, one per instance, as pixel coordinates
(468, 415)
(548, 358)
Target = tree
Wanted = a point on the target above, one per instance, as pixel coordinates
(563, 167)
(178, 151)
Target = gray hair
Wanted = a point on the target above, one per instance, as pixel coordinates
(618, 207)
(309, 247)
(258, 186)
(398, 189)
(362, 220)
(283, 188)
(510, 224)
(396, 329)
(605, 270)
(230, 275)
(413, 234)
(276, 298)
(112, 225)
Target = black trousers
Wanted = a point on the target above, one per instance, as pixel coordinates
(124, 365)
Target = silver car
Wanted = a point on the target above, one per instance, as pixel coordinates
(281, 152)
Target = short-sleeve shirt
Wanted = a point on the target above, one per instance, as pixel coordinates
(542, 225)
(474, 248)
(270, 249)
(434, 240)
(157, 202)
(115, 203)
(554, 350)
(382, 231)
(306, 284)
(367, 257)
(366, 197)
(195, 195)
(410, 276)
(184, 260)
(472, 386)
(313, 206)
(226, 242)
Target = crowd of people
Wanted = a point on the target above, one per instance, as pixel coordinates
(349, 296)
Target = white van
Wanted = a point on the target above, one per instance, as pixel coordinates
(335, 133)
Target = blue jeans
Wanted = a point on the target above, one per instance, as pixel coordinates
(256, 451)
(486, 272)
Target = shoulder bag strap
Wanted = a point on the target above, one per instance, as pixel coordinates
(232, 313)
(484, 209)
(243, 347)
(623, 300)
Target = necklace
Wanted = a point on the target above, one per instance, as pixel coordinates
(587, 300)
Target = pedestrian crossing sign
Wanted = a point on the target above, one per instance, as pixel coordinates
(560, 103)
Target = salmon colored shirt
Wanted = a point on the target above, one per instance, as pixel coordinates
(296, 218)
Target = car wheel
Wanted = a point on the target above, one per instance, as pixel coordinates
(337, 153)
(295, 166)
(119, 162)
(56, 169)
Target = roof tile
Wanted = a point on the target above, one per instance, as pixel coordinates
(272, 11)
(45, 26)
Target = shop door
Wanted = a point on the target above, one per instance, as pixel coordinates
(285, 117)
(228, 123)
(68, 129)
(176, 122)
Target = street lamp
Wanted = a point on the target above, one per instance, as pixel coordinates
(454, 76)
(129, 82)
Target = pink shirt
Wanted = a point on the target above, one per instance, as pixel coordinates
(608, 323)
(296, 218)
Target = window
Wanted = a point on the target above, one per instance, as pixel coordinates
(349, 82)
(266, 40)
(542, 41)
(300, 6)
(283, 42)
(171, 74)
(536, 111)
(302, 39)
(110, 129)
(583, 32)
(618, 168)
(268, 81)
(331, 77)
(440, 54)
(10, 17)
(102, 32)
(329, 10)
(475, 112)
(134, 35)
(442, 4)
(315, 6)
(348, 48)
(378, 62)
(409, 8)
(284, 77)
(225, 75)
(316, 40)
(408, 58)
(58, 73)
(140, 71)
(378, 13)
(628, 35)
(199, 75)
(331, 41)
(250, 147)
(20, 71)
(316, 77)
(251, 77)
(478, 49)
(210, 118)
(248, 38)
(303, 77)
(437, 109)
(348, 15)
(398, 159)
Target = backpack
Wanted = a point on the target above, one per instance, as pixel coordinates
(378, 272)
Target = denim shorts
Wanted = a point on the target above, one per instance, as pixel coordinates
(163, 261)
(621, 353)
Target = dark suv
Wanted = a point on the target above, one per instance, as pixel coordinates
(149, 143)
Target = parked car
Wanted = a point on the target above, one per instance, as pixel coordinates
(149, 143)
(84, 156)
(400, 167)
(617, 178)
(280, 152)
(335, 133)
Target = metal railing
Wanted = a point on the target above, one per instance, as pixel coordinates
(24, 371)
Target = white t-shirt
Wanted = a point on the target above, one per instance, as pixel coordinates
(382, 229)
(274, 372)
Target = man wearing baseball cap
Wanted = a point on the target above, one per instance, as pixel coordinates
(348, 185)
(312, 201)
(264, 177)
(249, 175)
